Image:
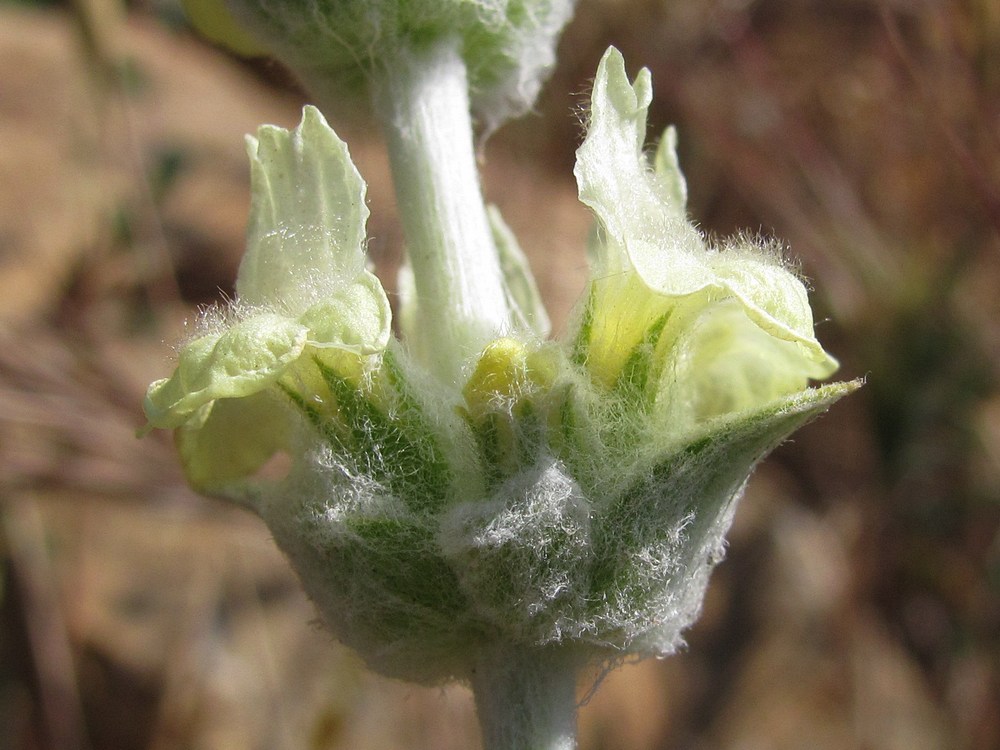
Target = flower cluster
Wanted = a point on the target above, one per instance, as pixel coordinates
(567, 496)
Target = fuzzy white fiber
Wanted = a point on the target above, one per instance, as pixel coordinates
(423, 564)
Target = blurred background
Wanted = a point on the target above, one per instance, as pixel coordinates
(859, 606)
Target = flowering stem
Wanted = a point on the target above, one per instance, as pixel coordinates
(422, 99)
(526, 699)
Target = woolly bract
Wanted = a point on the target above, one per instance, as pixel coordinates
(569, 496)
(508, 45)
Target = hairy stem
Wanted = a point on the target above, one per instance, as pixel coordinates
(526, 699)
(422, 98)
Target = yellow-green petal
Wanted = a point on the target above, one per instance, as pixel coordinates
(616, 181)
(776, 300)
(356, 318)
(232, 440)
(732, 365)
(646, 235)
(306, 234)
(243, 360)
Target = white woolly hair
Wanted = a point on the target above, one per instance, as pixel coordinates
(595, 543)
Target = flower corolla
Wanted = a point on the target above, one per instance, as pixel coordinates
(704, 330)
(303, 295)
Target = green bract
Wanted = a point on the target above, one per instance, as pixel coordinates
(508, 45)
(563, 497)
